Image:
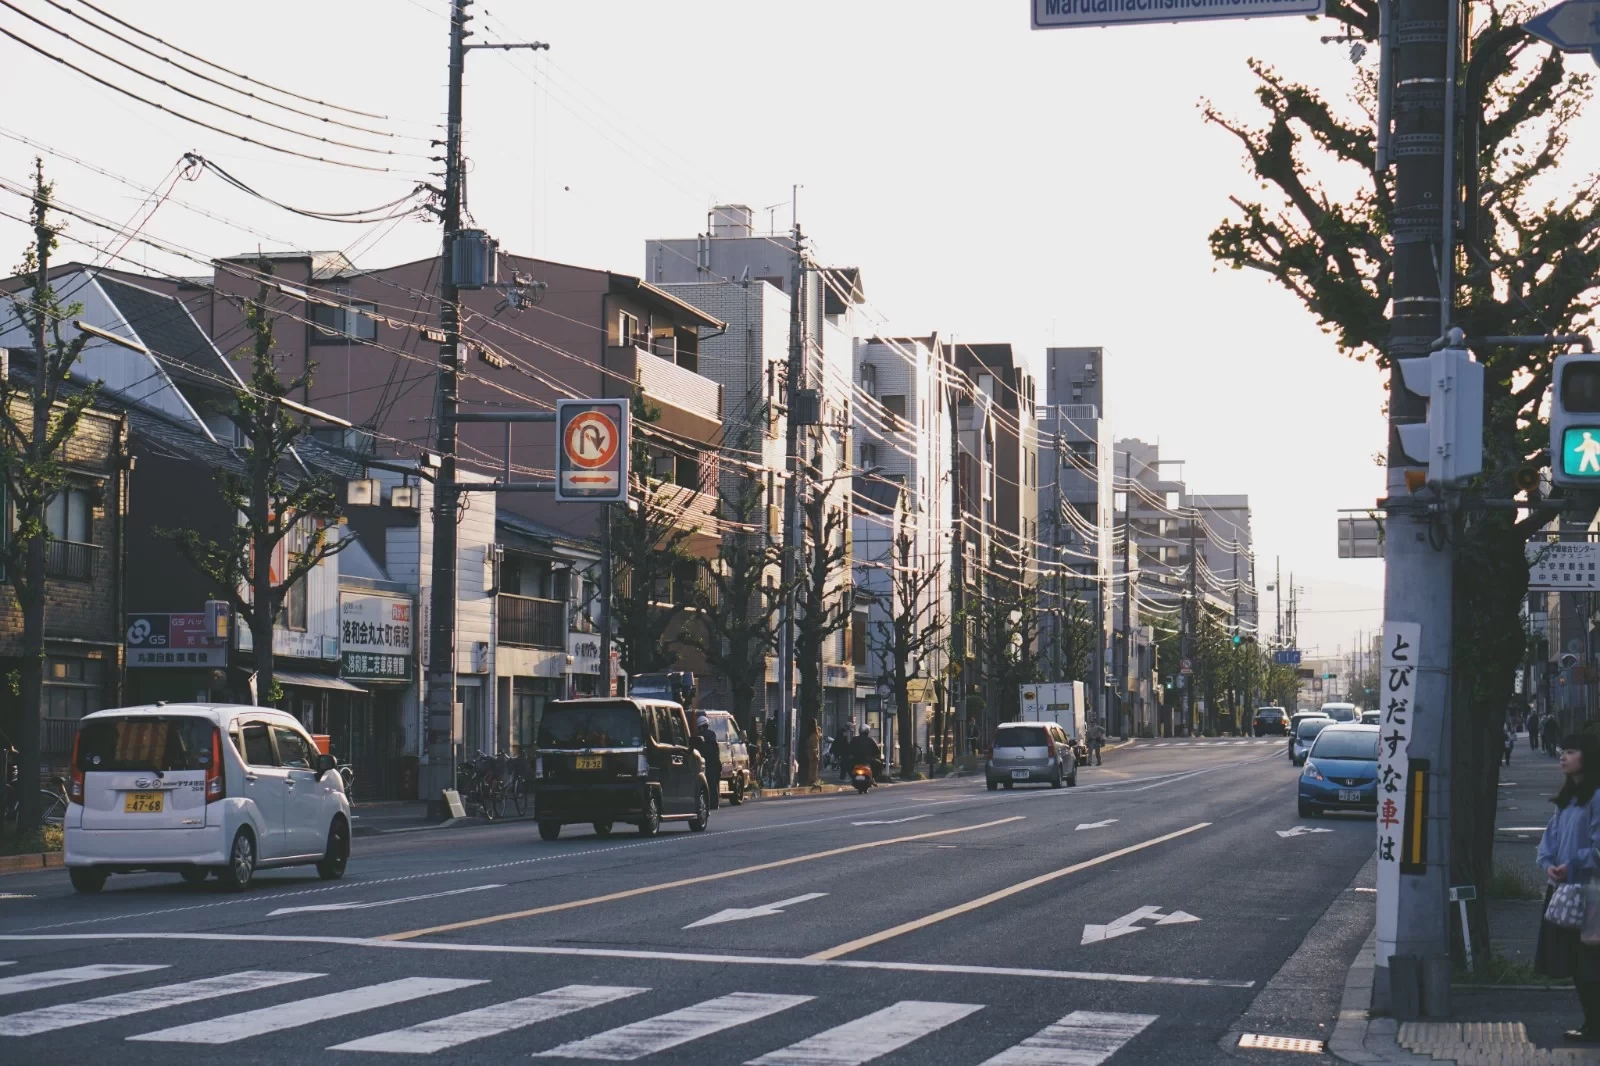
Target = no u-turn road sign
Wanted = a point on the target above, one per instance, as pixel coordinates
(592, 450)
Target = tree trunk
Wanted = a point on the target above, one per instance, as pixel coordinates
(30, 761)
(810, 667)
(906, 726)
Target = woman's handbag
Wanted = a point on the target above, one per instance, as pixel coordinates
(1591, 914)
(1566, 908)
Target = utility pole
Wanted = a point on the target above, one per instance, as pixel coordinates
(439, 747)
(1417, 575)
(1127, 590)
(1277, 601)
(1191, 629)
(791, 510)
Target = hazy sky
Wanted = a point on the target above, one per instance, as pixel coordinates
(993, 183)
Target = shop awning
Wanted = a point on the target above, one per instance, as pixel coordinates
(291, 677)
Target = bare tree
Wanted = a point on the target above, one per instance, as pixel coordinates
(824, 603)
(914, 629)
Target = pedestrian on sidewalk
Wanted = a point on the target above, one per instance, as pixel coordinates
(1510, 740)
(1567, 855)
(1533, 731)
(841, 752)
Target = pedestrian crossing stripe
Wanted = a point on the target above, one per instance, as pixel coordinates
(33, 982)
(1082, 1038)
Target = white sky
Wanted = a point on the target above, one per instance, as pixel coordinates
(993, 183)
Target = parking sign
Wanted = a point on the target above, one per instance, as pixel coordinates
(592, 450)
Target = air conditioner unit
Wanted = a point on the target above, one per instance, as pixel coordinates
(407, 496)
(363, 492)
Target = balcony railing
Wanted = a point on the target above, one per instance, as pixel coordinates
(55, 735)
(669, 382)
(70, 559)
(533, 622)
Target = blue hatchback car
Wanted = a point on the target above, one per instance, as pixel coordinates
(1341, 773)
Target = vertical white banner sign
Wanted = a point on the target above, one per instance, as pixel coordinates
(1395, 689)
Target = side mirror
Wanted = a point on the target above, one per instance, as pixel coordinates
(325, 763)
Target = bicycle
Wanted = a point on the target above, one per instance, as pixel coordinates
(517, 786)
(348, 776)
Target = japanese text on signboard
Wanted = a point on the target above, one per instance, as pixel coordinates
(1396, 693)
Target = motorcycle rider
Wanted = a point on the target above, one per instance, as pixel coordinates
(865, 752)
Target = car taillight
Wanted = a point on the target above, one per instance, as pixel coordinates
(75, 790)
(1050, 745)
(216, 780)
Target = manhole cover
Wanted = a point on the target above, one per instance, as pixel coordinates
(1280, 1043)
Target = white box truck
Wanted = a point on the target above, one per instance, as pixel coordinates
(1060, 702)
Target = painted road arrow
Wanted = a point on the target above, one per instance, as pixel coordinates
(892, 821)
(376, 903)
(1095, 825)
(1129, 923)
(1572, 27)
(739, 914)
(1300, 831)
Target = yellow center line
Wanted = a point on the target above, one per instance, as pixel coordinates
(993, 897)
(702, 879)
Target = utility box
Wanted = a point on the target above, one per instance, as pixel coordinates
(1060, 702)
(475, 260)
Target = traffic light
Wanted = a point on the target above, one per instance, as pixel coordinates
(1575, 420)
(1237, 639)
(1450, 442)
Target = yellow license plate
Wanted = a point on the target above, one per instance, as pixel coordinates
(588, 762)
(142, 803)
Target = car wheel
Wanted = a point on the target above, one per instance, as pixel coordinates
(196, 876)
(702, 813)
(736, 792)
(550, 830)
(1306, 810)
(602, 829)
(1055, 782)
(652, 816)
(87, 880)
(993, 785)
(337, 857)
(241, 868)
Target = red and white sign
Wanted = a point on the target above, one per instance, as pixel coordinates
(592, 450)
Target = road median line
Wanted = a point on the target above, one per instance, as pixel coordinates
(610, 897)
(994, 897)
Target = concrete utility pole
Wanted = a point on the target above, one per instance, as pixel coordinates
(791, 510)
(1418, 559)
(1127, 591)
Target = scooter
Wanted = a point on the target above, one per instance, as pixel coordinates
(861, 777)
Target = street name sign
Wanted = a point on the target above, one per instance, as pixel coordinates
(592, 448)
(1572, 27)
(1565, 566)
(1287, 657)
(1068, 14)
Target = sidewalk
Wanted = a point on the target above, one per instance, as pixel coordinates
(1491, 1025)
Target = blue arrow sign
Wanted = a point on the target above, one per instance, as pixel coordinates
(1573, 26)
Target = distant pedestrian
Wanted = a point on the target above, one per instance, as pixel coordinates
(841, 752)
(705, 742)
(1097, 739)
(1533, 731)
(1567, 857)
(1509, 741)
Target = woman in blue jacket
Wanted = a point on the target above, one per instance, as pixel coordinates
(1568, 855)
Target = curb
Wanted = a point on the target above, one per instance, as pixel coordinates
(1360, 1038)
(16, 864)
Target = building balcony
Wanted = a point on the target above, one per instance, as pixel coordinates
(530, 622)
(691, 404)
(72, 560)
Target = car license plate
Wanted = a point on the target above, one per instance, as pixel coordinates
(1019, 775)
(1349, 795)
(588, 762)
(142, 803)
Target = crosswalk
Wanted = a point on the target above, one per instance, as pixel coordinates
(1081, 1038)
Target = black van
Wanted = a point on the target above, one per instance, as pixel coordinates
(608, 760)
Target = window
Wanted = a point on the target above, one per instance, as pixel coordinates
(340, 325)
(71, 687)
(869, 454)
(679, 731)
(292, 614)
(257, 749)
(627, 329)
(292, 748)
(70, 516)
(895, 404)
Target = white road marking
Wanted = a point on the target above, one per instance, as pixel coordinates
(893, 821)
(1522, 828)
(635, 1041)
(1300, 831)
(32, 982)
(1095, 825)
(870, 1036)
(1128, 923)
(1082, 1038)
(305, 1011)
(661, 956)
(441, 1033)
(376, 903)
(67, 1015)
(739, 914)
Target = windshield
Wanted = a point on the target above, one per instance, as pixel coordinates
(145, 743)
(1347, 745)
(1338, 713)
(1270, 712)
(1312, 726)
(1021, 737)
(603, 725)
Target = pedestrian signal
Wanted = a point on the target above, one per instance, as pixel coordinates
(1575, 420)
(1450, 442)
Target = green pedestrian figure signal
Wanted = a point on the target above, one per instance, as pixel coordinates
(1575, 419)
(1581, 455)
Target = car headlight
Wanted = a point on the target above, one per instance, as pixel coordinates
(1312, 772)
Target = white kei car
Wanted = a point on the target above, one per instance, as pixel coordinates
(197, 788)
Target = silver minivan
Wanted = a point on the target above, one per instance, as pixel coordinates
(1025, 752)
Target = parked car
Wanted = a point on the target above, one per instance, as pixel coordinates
(603, 761)
(198, 789)
(1341, 712)
(1304, 735)
(1371, 717)
(735, 755)
(1031, 751)
(1342, 771)
(1271, 720)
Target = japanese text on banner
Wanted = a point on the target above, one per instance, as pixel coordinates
(1396, 689)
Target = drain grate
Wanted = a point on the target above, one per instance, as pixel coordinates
(1280, 1043)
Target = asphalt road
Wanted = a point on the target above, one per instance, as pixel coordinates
(1132, 919)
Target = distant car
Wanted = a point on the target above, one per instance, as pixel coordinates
(201, 788)
(1304, 735)
(1300, 716)
(1342, 771)
(735, 755)
(1341, 712)
(1271, 720)
(1371, 717)
(1031, 751)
